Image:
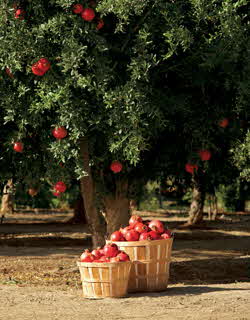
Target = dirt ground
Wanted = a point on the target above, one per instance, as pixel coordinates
(209, 273)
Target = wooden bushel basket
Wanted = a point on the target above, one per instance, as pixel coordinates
(151, 262)
(103, 280)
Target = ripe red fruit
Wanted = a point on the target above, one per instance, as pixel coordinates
(224, 123)
(132, 235)
(32, 192)
(86, 256)
(88, 14)
(9, 73)
(43, 64)
(145, 236)
(110, 250)
(19, 14)
(166, 235)
(204, 155)
(141, 227)
(116, 166)
(125, 230)
(36, 70)
(18, 146)
(96, 253)
(59, 132)
(123, 256)
(77, 8)
(189, 167)
(117, 236)
(154, 235)
(60, 186)
(56, 193)
(156, 225)
(100, 24)
(134, 220)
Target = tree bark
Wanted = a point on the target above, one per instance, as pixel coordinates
(94, 217)
(117, 208)
(7, 199)
(197, 204)
(79, 212)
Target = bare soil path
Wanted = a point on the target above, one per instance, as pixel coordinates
(209, 276)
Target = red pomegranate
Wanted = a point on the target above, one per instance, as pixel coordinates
(100, 24)
(134, 220)
(141, 227)
(154, 235)
(110, 250)
(189, 167)
(59, 132)
(132, 235)
(77, 8)
(56, 193)
(156, 225)
(20, 14)
(123, 256)
(166, 235)
(145, 236)
(125, 230)
(86, 256)
(43, 64)
(60, 186)
(224, 123)
(88, 14)
(117, 236)
(18, 146)
(116, 166)
(204, 155)
(36, 70)
(9, 73)
(32, 192)
(96, 253)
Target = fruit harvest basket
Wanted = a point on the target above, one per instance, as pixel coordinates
(151, 262)
(102, 280)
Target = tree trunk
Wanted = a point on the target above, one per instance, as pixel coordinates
(94, 217)
(117, 208)
(7, 199)
(79, 212)
(197, 204)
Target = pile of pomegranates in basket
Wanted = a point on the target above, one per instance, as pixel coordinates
(109, 253)
(139, 230)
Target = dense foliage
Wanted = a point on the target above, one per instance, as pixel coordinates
(148, 89)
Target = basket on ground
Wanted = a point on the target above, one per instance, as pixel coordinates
(102, 280)
(151, 262)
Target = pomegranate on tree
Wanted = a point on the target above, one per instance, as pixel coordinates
(56, 193)
(116, 166)
(59, 132)
(132, 235)
(32, 192)
(224, 123)
(204, 155)
(156, 225)
(60, 186)
(134, 220)
(110, 250)
(77, 8)
(20, 14)
(189, 167)
(43, 64)
(18, 146)
(36, 70)
(100, 24)
(88, 14)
